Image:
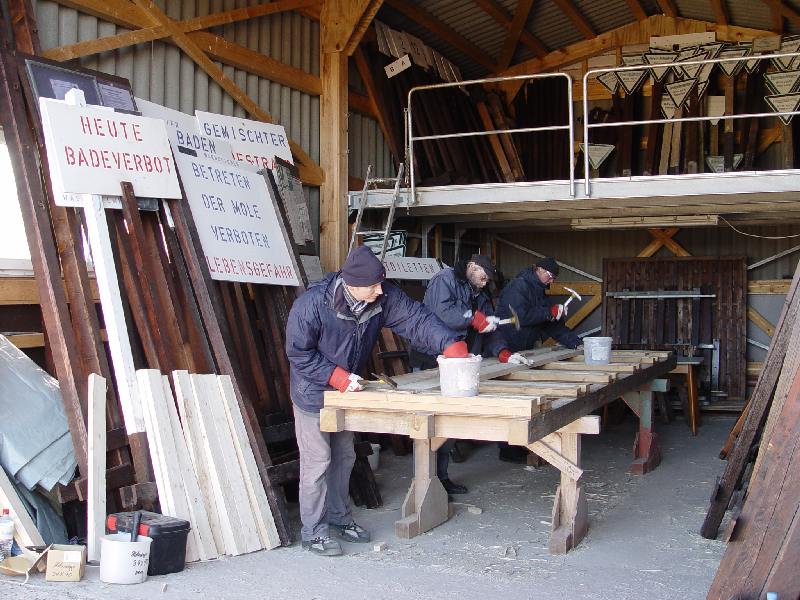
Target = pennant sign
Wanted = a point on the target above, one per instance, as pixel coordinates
(717, 163)
(787, 45)
(713, 49)
(610, 81)
(692, 70)
(679, 90)
(632, 80)
(782, 82)
(660, 58)
(730, 68)
(598, 153)
(668, 106)
(715, 107)
(702, 87)
(784, 103)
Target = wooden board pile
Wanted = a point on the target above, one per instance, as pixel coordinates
(204, 465)
(761, 481)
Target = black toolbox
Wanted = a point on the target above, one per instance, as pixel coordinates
(168, 550)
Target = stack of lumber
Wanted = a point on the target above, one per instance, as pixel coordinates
(204, 466)
(764, 533)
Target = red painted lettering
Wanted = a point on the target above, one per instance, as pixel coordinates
(86, 125)
(70, 153)
(137, 132)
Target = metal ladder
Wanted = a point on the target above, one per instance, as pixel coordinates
(371, 181)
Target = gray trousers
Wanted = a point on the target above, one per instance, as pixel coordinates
(326, 460)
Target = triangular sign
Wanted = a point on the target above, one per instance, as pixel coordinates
(692, 70)
(610, 81)
(787, 45)
(784, 103)
(598, 153)
(631, 60)
(715, 107)
(631, 80)
(680, 90)
(782, 82)
(667, 107)
(701, 88)
(717, 163)
(712, 49)
(658, 58)
(731, 67)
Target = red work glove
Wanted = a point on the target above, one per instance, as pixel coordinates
(557, 311)
(504, 355)
(456, 350)
(483, 324)
(340, 379)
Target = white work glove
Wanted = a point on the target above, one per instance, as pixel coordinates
(558, 312)
(518, 359)
(354, 385)
(491, 324)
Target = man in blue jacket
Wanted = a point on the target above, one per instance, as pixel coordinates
(330, 333)
(458, 296)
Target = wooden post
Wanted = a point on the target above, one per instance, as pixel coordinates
(570, 521)
(646, 448)
(96, 505)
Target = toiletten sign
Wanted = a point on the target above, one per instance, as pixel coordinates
(92, 149)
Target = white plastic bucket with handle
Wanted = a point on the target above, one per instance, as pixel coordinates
(597, 350)
(124, 561)
(459, 376)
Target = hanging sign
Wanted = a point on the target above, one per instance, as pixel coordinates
(712, 49)
(610, 81)
(398, 66)
(782, 82)
(715, 107)
(236, 222)
(660, 58)
(784, 103)
(787, 45)
(730, 68)
(417, 50)
(380, 34)
(769, 43)
(679, 90)
(598, 153)
(91, 150)
(408, 267)
(717, 163)
(668, 107)
(632, 80)
(692, 70)
(253, 142)
(702, 87)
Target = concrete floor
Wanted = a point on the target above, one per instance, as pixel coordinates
(643, 540)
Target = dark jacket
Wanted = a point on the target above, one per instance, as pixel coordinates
(322, 333)
(451, 298)
(526, 294)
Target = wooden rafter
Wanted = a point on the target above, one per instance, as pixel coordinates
(668, 7)
(145, 14)
(374, 94)
(784, 10)
(502, 16)
(663, 237)
(576, 16)
(451, 36)
(157, 32)
(514, 33)
(361, 27)
(720, 11)
(636, 8)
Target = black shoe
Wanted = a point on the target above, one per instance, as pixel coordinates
(453, 488)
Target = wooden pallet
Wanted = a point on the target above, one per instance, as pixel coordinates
(544, 408)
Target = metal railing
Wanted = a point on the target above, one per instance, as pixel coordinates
(644, 67)
(411, 138)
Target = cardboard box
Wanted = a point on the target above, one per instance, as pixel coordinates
(65, 563)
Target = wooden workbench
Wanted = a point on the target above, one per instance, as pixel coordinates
(545, 408)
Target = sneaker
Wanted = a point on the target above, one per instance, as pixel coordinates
(350, 533)
(451, 487)
(324, 546)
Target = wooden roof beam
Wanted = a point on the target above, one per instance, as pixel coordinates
(720, 11)
(514, 33)
(577, 18)
(636, 8)
(434, 25)
(668, 7)
(499, 14)
(784, 10)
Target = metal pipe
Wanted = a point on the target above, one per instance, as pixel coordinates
(571, 154)
(684, 119)
(444, 136)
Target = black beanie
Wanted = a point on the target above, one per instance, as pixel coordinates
(362, 268)
(484, 263)
(549, 264)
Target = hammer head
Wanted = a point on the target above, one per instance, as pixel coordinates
(573, 293)
(514, 317)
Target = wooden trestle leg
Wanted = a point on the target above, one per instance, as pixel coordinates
(570, 521)
(646, 448)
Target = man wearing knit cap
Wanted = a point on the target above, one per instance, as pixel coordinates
(330, 333)
(458, 296)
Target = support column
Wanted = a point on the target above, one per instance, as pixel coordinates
(646, 447)
(570, 518)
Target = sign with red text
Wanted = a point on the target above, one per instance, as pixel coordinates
(92, 149)
(252, 142)
(236, 221)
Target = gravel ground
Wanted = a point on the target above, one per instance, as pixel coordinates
(643, 537)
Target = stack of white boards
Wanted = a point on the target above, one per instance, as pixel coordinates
(204, 465)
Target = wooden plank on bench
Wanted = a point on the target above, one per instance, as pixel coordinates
(559, 375)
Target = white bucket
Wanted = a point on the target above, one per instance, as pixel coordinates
(597, 350)
(374, 459)
(459, 376)
(124, 561)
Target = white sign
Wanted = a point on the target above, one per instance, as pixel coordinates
(91, 150)
(717, 163)
(731, 67)
(598, 153)
(610, 81)
(668, 107)
(407, 267)
(784, 103)
(680, 90)
(660, 58)
(715, 107)
(631, 80)
(398, 66)
(782, 82)
(236, 222)
(252, 142)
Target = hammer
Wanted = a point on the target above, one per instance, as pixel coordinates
(513, 319)
(574, 295)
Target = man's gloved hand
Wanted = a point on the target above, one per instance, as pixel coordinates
(516, 358)
(456, 350)
(557, 312)
(344, 381)
(483, 324)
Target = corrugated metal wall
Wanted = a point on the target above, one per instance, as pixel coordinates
(161, 73)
